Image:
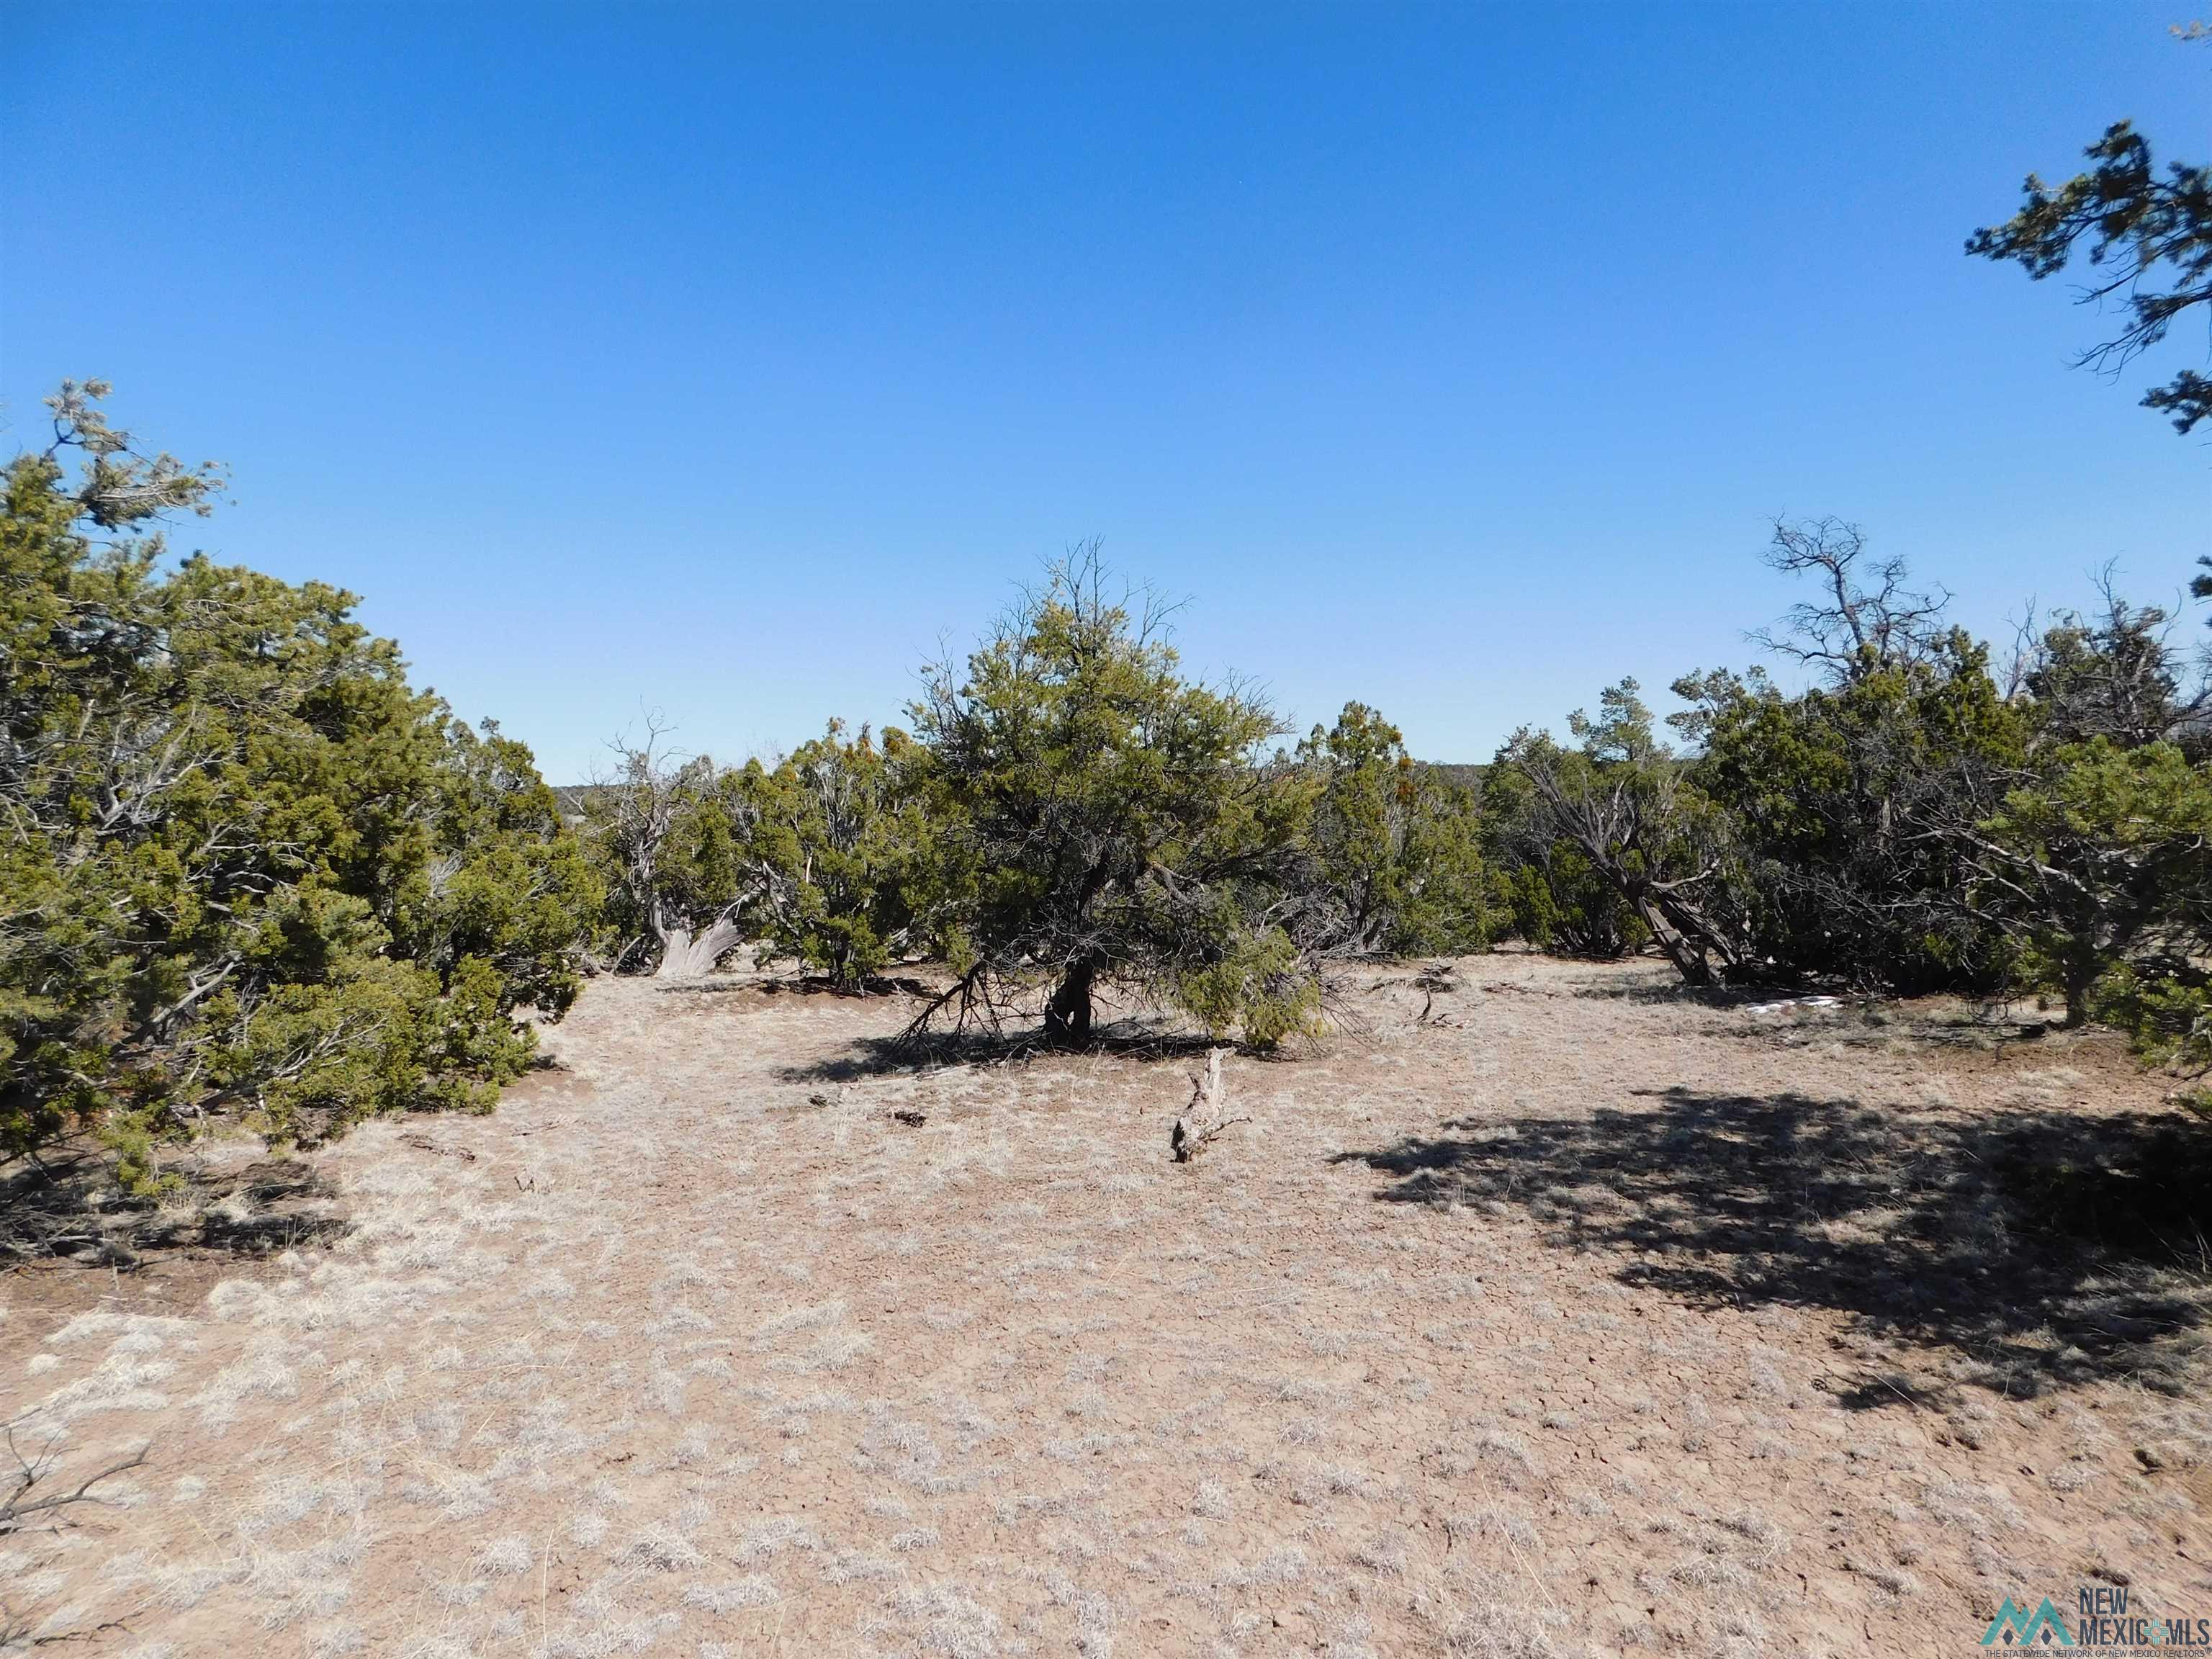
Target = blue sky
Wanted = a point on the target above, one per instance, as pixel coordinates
(725, 361)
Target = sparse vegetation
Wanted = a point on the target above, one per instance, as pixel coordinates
(254, 875)
(1710, 1181)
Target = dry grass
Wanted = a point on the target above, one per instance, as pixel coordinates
(1596, 1320)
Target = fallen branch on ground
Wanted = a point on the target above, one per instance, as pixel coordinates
(1189, 1138)
(20, 1508)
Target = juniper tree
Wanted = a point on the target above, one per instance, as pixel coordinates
(245, 868)
(1846, 799)
(676, 841)
(1390, 861)
(2100, 860)
(842, 840)
(1545, 888)
(1106, 821)
(2111, 671)
(1626, 805)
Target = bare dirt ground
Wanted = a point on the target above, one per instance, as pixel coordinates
(1587, 1319)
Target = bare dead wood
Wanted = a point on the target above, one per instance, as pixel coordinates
(20, 1508)
(1437, 976)
(1193, 1133)
(25, 1506)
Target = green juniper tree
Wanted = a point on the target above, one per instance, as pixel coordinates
(2097, 860)
(1848, 800)
(677, 842)
(1626, 805)
(842, 840)
(1106, 823)
(1391, 862)
(2100, 863)
(245, 868)
(1546, 890)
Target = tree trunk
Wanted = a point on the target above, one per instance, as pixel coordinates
(1678, 948)
(687, 955)
(1067, 1016)
(1674, 942)
(2078, 974)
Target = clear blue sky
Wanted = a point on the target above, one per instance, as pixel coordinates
(725, 359)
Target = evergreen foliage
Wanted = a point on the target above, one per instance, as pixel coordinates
(1107, 822)
(247, 868)
(249, 872)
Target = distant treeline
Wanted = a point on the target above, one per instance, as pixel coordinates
(250, 873)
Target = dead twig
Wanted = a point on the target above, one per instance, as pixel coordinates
(25, 1506)
(19, 1509)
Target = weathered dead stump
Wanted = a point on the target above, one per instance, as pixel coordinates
(1203, 1119)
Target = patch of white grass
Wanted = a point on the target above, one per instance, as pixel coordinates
(511, 1555)
(751, 1591)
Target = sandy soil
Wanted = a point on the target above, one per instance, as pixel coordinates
(1579, 1318)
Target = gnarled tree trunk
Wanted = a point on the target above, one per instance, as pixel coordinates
(1674, 942)
(1068, 1015)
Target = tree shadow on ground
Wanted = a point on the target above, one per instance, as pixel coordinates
(888, 1055)
(1962, 1020)
(67, 1208)
(803, 985)
(2045, 1247)
(1672, 990)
